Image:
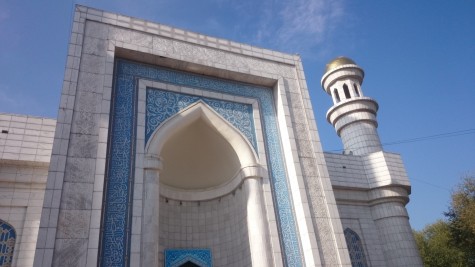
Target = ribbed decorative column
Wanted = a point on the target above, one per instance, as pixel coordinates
(257, 230)
(150, 216)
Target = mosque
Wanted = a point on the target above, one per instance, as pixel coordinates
(172, 148)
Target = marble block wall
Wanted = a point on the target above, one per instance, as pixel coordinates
(298, 198)
(219, 224)
(25, 149)
(371, 192)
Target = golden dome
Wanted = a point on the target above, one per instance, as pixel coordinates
(339, 61)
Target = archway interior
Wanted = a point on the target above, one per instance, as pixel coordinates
(198, 157)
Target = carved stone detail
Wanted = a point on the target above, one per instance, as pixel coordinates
(70, 252)
(77, 196)
(73, 224)
(85, 123)
(83, 146)
(80, 170)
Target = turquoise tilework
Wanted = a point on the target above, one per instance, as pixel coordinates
(177, 257)
(115, 237)
(162, 104)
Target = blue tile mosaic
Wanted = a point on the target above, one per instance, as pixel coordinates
(355, 248)
(7, 243)
(115, 237)
(177, 257)
(162, 104)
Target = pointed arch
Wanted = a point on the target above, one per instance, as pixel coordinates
(201, 111)
(202, 189)
(7, 243)
(355, 248)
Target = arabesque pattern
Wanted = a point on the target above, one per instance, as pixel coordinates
(162, 104)
(117, 211)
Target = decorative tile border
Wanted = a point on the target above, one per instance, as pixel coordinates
(117, 214)
(162, 104)
(176, 257)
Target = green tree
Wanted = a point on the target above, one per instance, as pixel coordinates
(436, 248)
(461, 216)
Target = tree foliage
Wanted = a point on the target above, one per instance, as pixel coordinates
(452, 242)
(461, 216)
(436, 248)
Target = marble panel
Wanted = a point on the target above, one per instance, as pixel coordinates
(94, 46)
(90, 82)
(80, 170)
(96, 29)
(85, 123)
(83, 146)
(88, 102)
(70, 252)
(77, 196)
(133, 37)
(73, 224)
(93, 64)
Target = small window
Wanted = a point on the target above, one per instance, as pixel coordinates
(355, 248)
(347, 92)
(357, 93)
(7, 243)
(337, 96)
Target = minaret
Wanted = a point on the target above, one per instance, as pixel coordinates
(352, 114)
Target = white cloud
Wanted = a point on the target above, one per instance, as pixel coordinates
(297, 25)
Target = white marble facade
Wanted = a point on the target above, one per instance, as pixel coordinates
(173, 146)
(25, 149)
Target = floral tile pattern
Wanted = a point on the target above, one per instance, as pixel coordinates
(162, 104)
(115, 238)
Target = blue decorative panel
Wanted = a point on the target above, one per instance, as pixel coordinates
(355, 247)
(116, 220)
(7, 243)
(115, 238)
(177, 257)
(161, 105)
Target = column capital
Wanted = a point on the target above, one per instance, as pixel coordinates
(153, 162)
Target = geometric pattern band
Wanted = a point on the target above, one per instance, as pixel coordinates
(119, 180)
(177, 257)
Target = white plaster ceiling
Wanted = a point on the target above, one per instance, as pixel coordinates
(198, 157)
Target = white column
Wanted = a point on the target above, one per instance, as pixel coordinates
(256, 224)
(150, 218)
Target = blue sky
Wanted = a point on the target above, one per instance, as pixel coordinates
(419, 59)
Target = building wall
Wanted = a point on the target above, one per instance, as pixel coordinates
(312, 235)
(372, 191)
(219, 224)
(25, 148)
(308, 199)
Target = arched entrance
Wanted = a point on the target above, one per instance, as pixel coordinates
(202, 190)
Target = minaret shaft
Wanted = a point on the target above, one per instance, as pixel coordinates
(353, 115)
